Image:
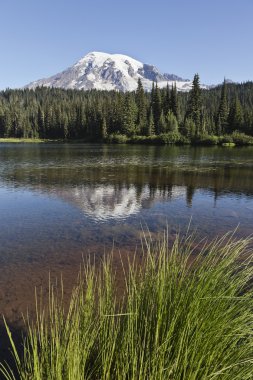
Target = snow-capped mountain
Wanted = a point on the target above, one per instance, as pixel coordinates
(104, 71)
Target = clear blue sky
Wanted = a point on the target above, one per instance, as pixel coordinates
(42, 37)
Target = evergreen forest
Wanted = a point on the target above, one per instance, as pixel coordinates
(219, 115)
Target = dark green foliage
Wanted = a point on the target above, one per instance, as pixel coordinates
(172, 124)
(51, 113)
(188, 128)
(222, 115)
(141, 108)
(226, 139)
(174, 101)
(156, 105)
(129, 116)
(241, 138)
(170, 138)
(117, 139)
(235, 117)
(206, 140)
(162, 125)
(151, 124)
(166, 101)
(104, 129)
(194, 105)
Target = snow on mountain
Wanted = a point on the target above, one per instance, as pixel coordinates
(103, 71)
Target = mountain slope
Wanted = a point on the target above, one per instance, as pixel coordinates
(105, 71)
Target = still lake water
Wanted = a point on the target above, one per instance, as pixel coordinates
(70, 197)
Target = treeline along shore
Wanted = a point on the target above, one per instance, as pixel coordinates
(220, 115)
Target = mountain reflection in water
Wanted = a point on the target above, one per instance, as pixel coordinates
(75, 195)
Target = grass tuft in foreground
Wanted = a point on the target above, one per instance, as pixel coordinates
(180, 319)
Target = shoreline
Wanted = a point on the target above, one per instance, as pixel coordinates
(128, 141)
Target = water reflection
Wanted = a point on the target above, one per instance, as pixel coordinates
(59, 202)
(107, 189)
(110, 184)
(109, 202)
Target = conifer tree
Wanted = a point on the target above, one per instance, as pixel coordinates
(162, 127)
(104, 129)
(174, 100)
(167, 103)
(172, 123)
(2, 124)
(151, 125)
(189, 128)
(41, 122)
(223, 110)
(141, 107)
(7, 124)
(157, 107)
(235, 117)
(194, 104)
(152, 94)
(129, 116)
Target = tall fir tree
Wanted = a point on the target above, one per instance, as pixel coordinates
(162, 125)
(172, 123)
(222, 114)
(194, 104)
(41, 122)
(174, 100)
(141, 108)
(188, 128)
(235, 117)
(129, 115)
(157, 107)
(151, 124)
(167, 103)
(104, 132)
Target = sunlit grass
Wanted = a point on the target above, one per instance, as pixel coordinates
(183, 317)
(24, 140)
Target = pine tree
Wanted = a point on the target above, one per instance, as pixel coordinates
(2, 124)
(48, 122)
(162, 127)
(7, 124)
(152, 93)
(41, 122)
(174, 101)
(194, 104)
(141, 107)
(222, 115)
(151, 125)
(104, 129)
(219, 127)
(157, 107)
(172, 123)
(188, 128)
(65, 126)
(235, 117)
(129, 116)
(167, 102)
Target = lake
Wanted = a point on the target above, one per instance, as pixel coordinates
(61, 201)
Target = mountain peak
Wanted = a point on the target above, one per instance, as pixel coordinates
(104, 71)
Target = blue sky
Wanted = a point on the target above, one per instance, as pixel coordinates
(42, 37)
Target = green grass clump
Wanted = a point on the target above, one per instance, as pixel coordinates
(228, 144)
(180, 319)
(21, 140)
